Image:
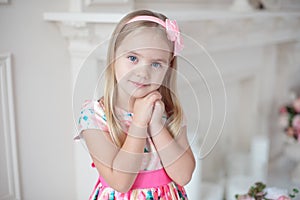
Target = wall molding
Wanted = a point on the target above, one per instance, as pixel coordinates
(9, 132)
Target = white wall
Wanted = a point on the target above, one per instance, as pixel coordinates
(42, 86)
(42, 93)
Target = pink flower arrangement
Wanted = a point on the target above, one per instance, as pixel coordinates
(259, 191)
(290, 119)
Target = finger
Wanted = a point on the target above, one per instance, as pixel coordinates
(159, 106)
(155, 93)
(153, 97)
(159, 103)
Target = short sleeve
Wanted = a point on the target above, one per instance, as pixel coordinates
(91, 116)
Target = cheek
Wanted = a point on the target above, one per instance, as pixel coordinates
(121, 71)
(158, 80)
(118, 74)
(159, 77)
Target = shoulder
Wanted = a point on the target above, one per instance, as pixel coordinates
(92, 116)
(92, 108)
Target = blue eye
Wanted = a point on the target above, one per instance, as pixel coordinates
(132, 58)
(156, 65)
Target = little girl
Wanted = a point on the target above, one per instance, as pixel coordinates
(136, 134)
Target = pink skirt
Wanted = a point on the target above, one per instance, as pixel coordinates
(149, 185)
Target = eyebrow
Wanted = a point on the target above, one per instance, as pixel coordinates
(152, 59)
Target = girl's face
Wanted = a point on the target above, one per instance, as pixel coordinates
(142, 60)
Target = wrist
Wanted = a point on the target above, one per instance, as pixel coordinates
(139, 123)
(137, 130)
(155, 129)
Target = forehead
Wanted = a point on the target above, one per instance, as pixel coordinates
(145, 38)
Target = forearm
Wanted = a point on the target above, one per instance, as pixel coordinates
(126, 164)
(129, 157)
(118, 166)
(175, 155)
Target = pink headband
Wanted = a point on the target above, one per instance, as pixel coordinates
(171, 27)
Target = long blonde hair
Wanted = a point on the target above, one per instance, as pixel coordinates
(167, 89)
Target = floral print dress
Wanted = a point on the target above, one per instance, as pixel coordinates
(152, 182)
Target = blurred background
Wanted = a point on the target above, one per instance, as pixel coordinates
(241, 65)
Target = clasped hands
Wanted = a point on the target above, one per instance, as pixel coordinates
(148, 112)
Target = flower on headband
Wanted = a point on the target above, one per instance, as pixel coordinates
(173, 34)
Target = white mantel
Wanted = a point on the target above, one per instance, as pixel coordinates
(246, 47)
(216, 30)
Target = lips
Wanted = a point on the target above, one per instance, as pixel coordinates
(139, 85)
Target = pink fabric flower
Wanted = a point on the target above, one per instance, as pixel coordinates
(174, 35)
(296, 105)
(296, 122)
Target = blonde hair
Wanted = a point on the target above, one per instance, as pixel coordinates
(167, 89)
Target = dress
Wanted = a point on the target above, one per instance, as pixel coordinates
(152, 182)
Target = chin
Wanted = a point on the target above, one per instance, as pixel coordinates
(137, 95)
(140, 94)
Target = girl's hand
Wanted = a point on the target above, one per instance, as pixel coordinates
(156, 122)
(143, 108)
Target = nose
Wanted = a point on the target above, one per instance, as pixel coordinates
(142, 71)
